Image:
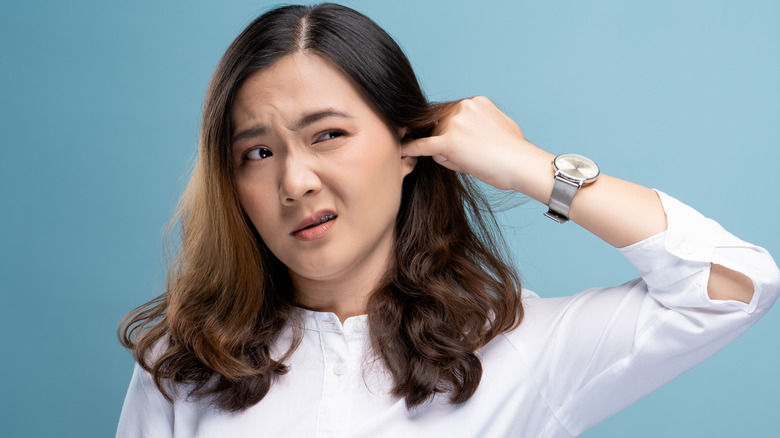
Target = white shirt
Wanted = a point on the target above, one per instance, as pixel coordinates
(572, 362)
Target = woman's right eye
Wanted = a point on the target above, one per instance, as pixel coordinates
(257, 154)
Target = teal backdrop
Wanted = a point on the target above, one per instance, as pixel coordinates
(99, 108)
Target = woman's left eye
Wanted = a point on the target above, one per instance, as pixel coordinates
(330, 135)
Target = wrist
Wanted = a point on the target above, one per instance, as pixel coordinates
(533, 176)
(571, 173)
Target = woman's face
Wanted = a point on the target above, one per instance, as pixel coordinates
(317, 170)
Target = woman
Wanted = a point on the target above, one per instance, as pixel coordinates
(338, 274)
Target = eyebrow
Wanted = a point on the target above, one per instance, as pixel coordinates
(306, 120)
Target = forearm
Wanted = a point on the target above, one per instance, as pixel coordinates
(623, 213)
(619, 212)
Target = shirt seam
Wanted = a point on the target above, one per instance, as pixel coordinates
(553, 412)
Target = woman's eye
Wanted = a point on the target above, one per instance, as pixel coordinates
(330, 135)
(257, 154)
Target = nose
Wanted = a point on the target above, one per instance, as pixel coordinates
(299, 179)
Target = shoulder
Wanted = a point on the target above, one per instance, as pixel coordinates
(550, 321)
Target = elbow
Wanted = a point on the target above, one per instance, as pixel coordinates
(729, 285)
(764, 280)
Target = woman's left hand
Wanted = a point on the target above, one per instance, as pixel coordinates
(475, 137)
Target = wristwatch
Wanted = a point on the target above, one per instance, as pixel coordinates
(572, 171)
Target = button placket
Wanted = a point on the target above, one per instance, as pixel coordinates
(333, 411)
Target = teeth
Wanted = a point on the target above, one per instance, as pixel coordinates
(322, 220)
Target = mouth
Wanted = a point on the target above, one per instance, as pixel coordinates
(315, 220)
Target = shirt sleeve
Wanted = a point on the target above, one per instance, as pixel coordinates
(145, 413)
(601, 350)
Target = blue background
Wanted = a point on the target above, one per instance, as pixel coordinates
(99, 108)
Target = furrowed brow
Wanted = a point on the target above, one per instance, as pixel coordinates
(255, 131)
(306, 120)
(310, 118)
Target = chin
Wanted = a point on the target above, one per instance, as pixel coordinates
(317, 271)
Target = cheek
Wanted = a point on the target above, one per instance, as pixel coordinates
(256, 201)
(368, 179)
(376, 181)
(378, 160)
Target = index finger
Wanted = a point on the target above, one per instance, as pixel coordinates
(420, 147)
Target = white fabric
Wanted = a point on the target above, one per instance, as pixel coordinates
(572, 363)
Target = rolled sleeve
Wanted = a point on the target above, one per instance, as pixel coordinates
(687, 249)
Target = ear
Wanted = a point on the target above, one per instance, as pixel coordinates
(400, 133)
(407, 162)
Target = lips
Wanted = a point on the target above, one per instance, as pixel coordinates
(315, 225)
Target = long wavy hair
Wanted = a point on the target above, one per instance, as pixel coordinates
(447, 292)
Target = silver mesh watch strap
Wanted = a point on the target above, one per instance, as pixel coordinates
(560, 200)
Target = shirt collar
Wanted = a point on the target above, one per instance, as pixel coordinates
(329, 322)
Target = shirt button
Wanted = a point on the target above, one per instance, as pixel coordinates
(339, 368)
(329, 321)
(359, 326)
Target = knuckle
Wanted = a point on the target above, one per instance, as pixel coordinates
(481, 100)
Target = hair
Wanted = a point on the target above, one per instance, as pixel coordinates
(447, 292)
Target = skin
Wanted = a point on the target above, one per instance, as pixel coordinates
(348, 162)
(353, 165)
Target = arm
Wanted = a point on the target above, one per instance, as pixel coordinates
(619, 212)
(598, 351)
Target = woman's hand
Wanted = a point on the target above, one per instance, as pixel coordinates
(475, 137)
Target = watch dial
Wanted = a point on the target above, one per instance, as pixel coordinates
(576, 166)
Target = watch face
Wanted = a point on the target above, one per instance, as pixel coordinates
(576, 167)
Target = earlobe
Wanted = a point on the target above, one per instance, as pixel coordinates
(407, 164)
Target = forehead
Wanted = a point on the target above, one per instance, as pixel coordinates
(294, 85)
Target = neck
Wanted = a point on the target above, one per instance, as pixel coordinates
(324, 297)
(346, 293)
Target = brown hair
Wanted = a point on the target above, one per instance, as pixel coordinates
(446, 294)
